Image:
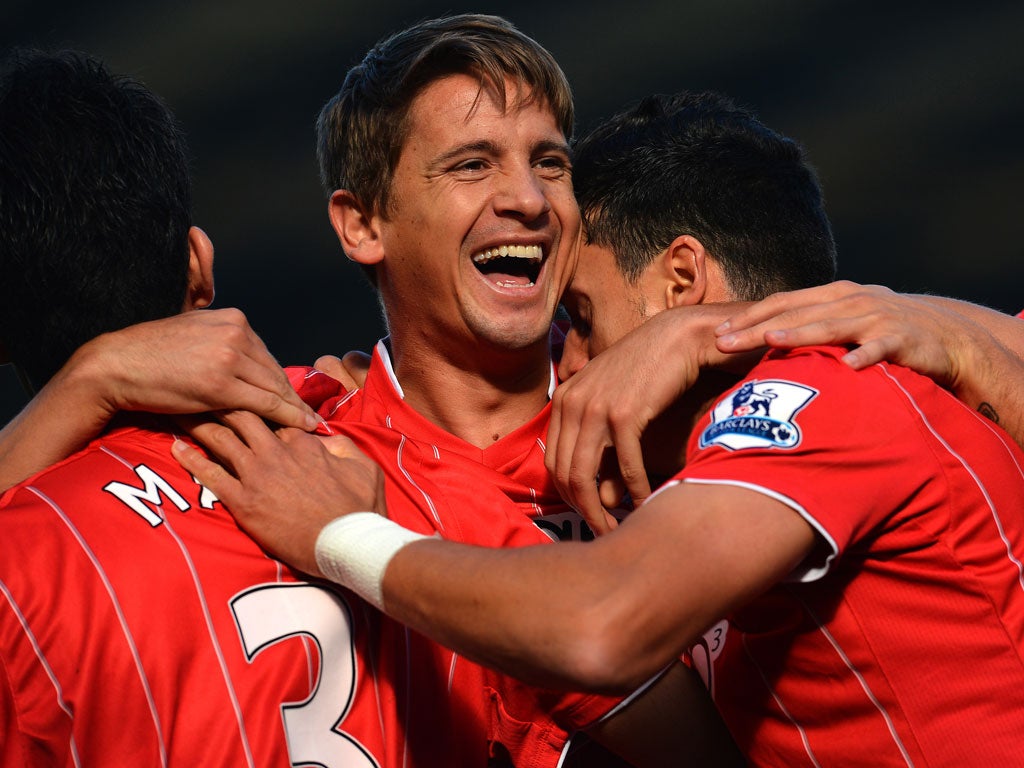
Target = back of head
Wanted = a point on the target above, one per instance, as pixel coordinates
(361, 131)
(95, 207)
(697, 164)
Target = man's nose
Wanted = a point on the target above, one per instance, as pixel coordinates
(521, 193)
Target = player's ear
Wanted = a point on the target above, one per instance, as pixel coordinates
(357, 229)
(684, 266)
(200, 270)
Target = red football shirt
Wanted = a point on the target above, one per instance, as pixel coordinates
(902, 641)
(499, 496)
(139, 626)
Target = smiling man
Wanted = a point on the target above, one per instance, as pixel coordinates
(472, 245)
(466, 221)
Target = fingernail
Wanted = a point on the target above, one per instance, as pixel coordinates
(727, 340)
(723, 327)
(178, 446)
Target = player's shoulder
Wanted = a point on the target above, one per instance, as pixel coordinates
(816, 368)
(788, 390)
(116, 453)
(822, 355)
(824, 366)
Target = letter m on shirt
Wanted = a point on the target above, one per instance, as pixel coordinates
(155, 490)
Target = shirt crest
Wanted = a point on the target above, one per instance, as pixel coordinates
(759, 414)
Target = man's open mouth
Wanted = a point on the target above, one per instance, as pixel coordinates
(511, 265)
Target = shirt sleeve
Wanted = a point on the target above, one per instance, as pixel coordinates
(842, 448)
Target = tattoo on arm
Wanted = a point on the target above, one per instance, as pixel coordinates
(988, 412)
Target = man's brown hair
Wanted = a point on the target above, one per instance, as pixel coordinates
(361, 131)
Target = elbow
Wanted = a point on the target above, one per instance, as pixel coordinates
(610, 655)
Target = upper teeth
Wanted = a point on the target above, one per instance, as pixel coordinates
(531, 252)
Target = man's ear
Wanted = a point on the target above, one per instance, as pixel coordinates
(356, 228)
(200, 270)
(685, 268)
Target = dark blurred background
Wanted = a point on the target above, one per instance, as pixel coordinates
(913, 114)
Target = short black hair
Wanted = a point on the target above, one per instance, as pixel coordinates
(95, 206)
(697, 164)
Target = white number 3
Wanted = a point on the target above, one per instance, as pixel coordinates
(271, 613)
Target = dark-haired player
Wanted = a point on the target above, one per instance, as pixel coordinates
(138, 625)
(836, 546)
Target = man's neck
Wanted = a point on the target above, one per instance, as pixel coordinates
(666, 438)
(480, 399)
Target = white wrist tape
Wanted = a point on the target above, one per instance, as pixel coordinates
(355, 550)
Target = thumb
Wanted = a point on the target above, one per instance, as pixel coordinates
(350, 370)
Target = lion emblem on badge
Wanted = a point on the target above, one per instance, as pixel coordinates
(747, 402)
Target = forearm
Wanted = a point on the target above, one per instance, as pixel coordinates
(608, 614)
(511, 609)
(991, 380)
(988, 355)
(68, 412)
(1007, 329)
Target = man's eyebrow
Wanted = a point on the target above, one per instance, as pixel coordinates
(482, 146)
(550, 145)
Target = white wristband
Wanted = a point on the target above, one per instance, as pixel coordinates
(354, 551)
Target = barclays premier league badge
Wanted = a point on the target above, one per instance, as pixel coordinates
(760, 414)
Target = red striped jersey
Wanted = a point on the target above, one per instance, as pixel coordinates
(902, 641)
(498, 496)
(139, 626)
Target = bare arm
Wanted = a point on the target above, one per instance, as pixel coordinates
(630, 602)
(975, 352)
(988, 364)
(194, 362)
(990, 379)
(639, 596)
